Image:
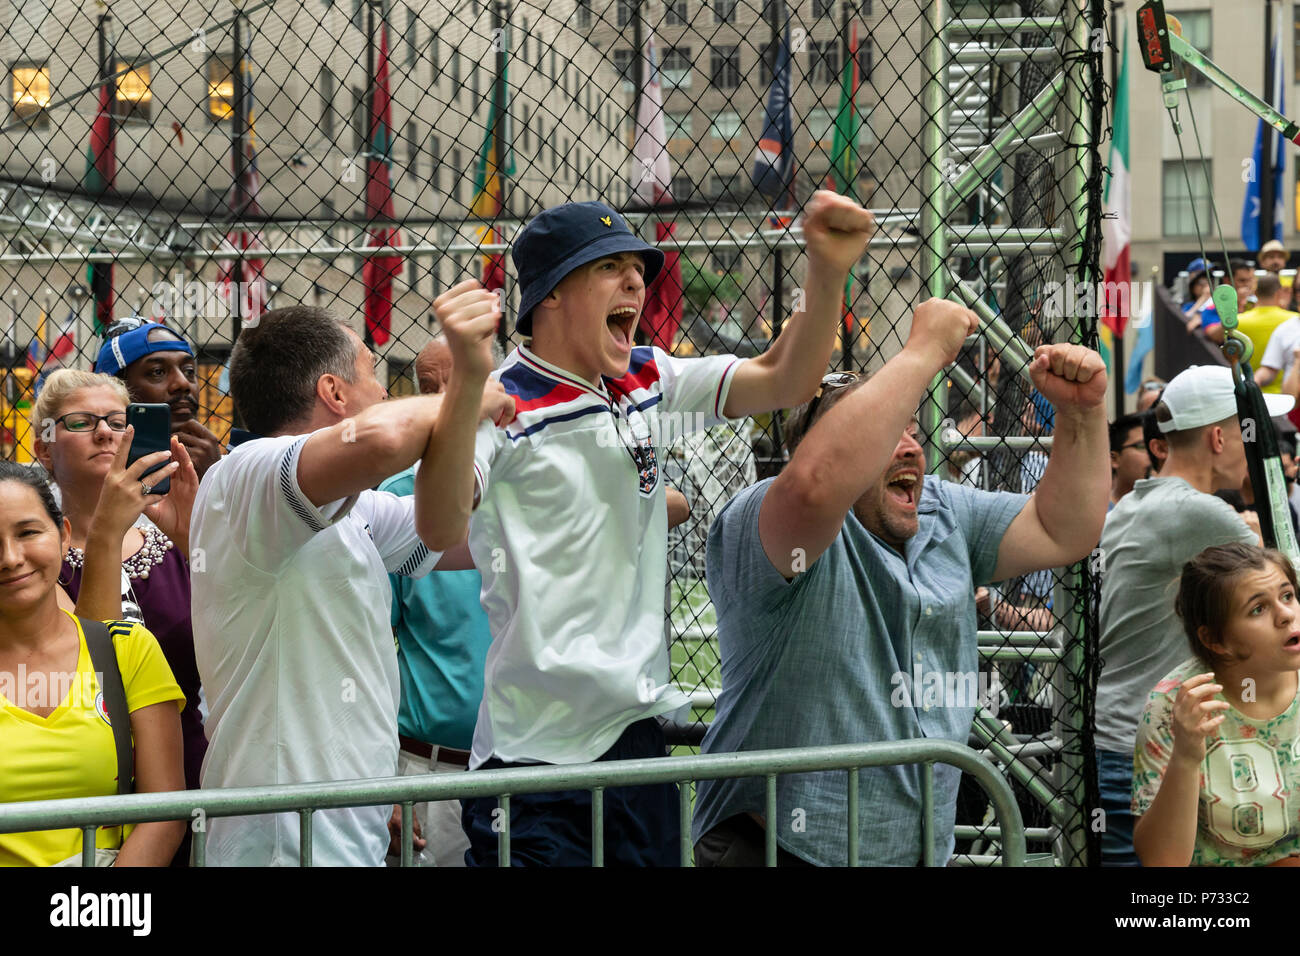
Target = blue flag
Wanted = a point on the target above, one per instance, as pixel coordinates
(1250, 210)
(773, 173)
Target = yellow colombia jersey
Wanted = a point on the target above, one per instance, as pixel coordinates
(71, 753)
(1258, 325)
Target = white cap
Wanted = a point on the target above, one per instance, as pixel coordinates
(1204, 395)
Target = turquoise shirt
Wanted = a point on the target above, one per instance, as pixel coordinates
(442, 643)
(848, 652)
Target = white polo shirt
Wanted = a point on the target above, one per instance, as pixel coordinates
(571, 537)
(294, 646)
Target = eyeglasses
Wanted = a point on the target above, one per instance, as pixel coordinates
(88, 422)
(829, 383)
(1152, 386)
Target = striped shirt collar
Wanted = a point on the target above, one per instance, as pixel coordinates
(531, 360)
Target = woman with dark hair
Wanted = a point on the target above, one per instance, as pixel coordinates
(56, 739)
(1215, 776)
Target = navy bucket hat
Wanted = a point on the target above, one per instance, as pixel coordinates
(559, 240)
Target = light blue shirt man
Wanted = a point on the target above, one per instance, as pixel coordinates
(848, 652)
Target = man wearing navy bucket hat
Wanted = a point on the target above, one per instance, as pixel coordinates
(569, 528)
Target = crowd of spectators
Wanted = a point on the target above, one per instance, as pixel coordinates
(474, 577)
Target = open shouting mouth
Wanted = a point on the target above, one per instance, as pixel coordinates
(904, 488)
(621, 323)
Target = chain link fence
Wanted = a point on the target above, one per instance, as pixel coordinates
(199, 163)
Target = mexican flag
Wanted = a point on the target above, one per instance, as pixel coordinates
(1117, 222)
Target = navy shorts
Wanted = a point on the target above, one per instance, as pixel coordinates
(554, 829)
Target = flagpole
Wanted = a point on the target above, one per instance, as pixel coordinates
(370, 128)
(237, 166)
(1117, 346)
(499, 147)
(1265, 172)
(847, 334)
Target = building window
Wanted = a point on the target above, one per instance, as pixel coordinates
(866, 136)
(435, 169)
(676, 69)
(359, 118)
(359, 15)
(1196, 31)
(624, 12)
(821, 125)
(455, 72)
(681, 187)
(473, 86)
(412, 33)
(456, 176)
(435, 54)
(678, 125)
(866, 53)
(30, 85)
(766, 63)
(584, 13)
(724, 67)
(675, 13)
(326, 84)
(823, 8)
(1177, 212)
(624, 68)
(221, 87)
(412, 277)
(724, 11)
(412, 147)
(134, 98)
(824, 61)
(725, 258)
(725, 125)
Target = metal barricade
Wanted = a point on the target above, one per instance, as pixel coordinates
(90, 813)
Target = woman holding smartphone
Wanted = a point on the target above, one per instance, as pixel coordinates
(80, 421)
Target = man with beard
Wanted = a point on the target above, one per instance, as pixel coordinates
(846, 583)
(158, 367)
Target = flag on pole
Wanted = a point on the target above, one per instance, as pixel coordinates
(1146, 340)
(101, 168)
(843, 176)
(242, 274)
(1117, 220)
(379, 271)
(773, 172)
(66, 342)
(495, 163)
(662, 315)
(1265, 134)
(36, 350)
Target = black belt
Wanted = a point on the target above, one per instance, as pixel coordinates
(444, 754)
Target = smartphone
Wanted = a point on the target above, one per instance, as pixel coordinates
(153, 432)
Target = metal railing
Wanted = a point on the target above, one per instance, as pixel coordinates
(89, 813)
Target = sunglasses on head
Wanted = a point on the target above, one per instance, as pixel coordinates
(829, 383)
(125, 324)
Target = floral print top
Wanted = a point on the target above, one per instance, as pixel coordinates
(1249, 813)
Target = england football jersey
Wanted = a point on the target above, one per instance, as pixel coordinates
(570, 535)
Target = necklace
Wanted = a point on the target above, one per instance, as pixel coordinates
(151, 554)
